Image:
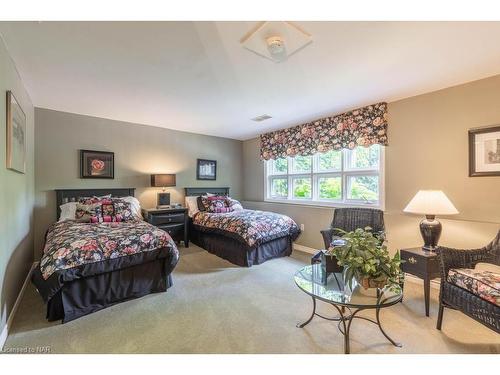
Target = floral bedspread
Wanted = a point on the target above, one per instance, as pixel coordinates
(249, 226)
(70, 244)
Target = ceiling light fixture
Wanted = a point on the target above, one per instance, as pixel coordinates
(276, 45)
(276, 40)
(261, 118)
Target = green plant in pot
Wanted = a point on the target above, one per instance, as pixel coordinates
(366, 259)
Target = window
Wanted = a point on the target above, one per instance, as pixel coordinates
(335, 178)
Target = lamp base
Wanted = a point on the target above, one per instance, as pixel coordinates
(430, 229)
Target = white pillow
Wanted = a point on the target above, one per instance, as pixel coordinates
(235, 204)
(135, 206)
(68, 211)
(487, 267)
(192, 205)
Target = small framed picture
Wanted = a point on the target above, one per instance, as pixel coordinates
(97, 164)
(162, 200)
(484, 151)
(206, 169)
(16, 135)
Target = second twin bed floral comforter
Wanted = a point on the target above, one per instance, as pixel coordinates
(249, 226)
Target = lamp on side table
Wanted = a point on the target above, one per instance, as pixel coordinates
(430, 203)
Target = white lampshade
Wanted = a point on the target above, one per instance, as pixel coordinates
(431, 202)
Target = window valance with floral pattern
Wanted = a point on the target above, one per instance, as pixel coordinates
(361, 127)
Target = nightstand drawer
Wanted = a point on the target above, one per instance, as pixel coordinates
(159, 219)
(413, 264)
(172, 229)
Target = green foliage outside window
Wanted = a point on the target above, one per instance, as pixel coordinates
(281, 165)
(330, 188)
(365, 157)
(302, 188)
(279, 187)
(364, 188)
(360, 187)
(302, 163)
(331, 160)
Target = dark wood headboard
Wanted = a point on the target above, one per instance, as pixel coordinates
(197, 191)
(71, 195)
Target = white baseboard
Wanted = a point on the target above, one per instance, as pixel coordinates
(10, 320)
(304, 249)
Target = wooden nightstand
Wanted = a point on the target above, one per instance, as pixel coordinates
(423, 264)
(174, 221)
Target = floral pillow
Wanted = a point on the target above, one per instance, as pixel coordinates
(103, 209)
(201, 204)
(216, 204)
(107, 207)
(92, 200)
(106, 212)
(85, 212)
(122, 210)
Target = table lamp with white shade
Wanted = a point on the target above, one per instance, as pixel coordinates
(430, 203)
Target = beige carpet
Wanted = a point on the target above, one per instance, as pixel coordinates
(215, 307)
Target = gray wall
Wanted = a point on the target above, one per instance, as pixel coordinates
(139, 151)
(427, 150)
(16, 196)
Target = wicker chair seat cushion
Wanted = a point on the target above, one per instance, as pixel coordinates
(487, 267)
(484, 284)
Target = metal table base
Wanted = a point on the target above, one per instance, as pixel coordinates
(345, 320)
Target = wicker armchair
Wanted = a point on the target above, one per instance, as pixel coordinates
(349, 219)
(454, 297)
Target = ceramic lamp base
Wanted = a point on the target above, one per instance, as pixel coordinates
(430, 229)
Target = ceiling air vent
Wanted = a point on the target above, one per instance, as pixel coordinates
(261, 118)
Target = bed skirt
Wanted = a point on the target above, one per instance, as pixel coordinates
(239, 253)
(87, 295)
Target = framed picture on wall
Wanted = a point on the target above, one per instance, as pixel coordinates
(16, 135)
(97, 164)
(484, 151)
(206, 169)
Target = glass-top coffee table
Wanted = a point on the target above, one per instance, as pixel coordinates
(331, 289)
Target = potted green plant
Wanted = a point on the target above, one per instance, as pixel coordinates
(366, 259)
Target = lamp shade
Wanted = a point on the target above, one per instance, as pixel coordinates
(162, 180)
(431, 202)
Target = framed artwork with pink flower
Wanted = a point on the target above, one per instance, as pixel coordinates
(97, 164)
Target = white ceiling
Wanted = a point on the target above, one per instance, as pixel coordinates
(196, 77)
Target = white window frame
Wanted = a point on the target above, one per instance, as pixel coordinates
(314, 174)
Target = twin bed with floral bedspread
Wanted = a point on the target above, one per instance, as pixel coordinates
(248, 226)
(87, 266)
(243, 237)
